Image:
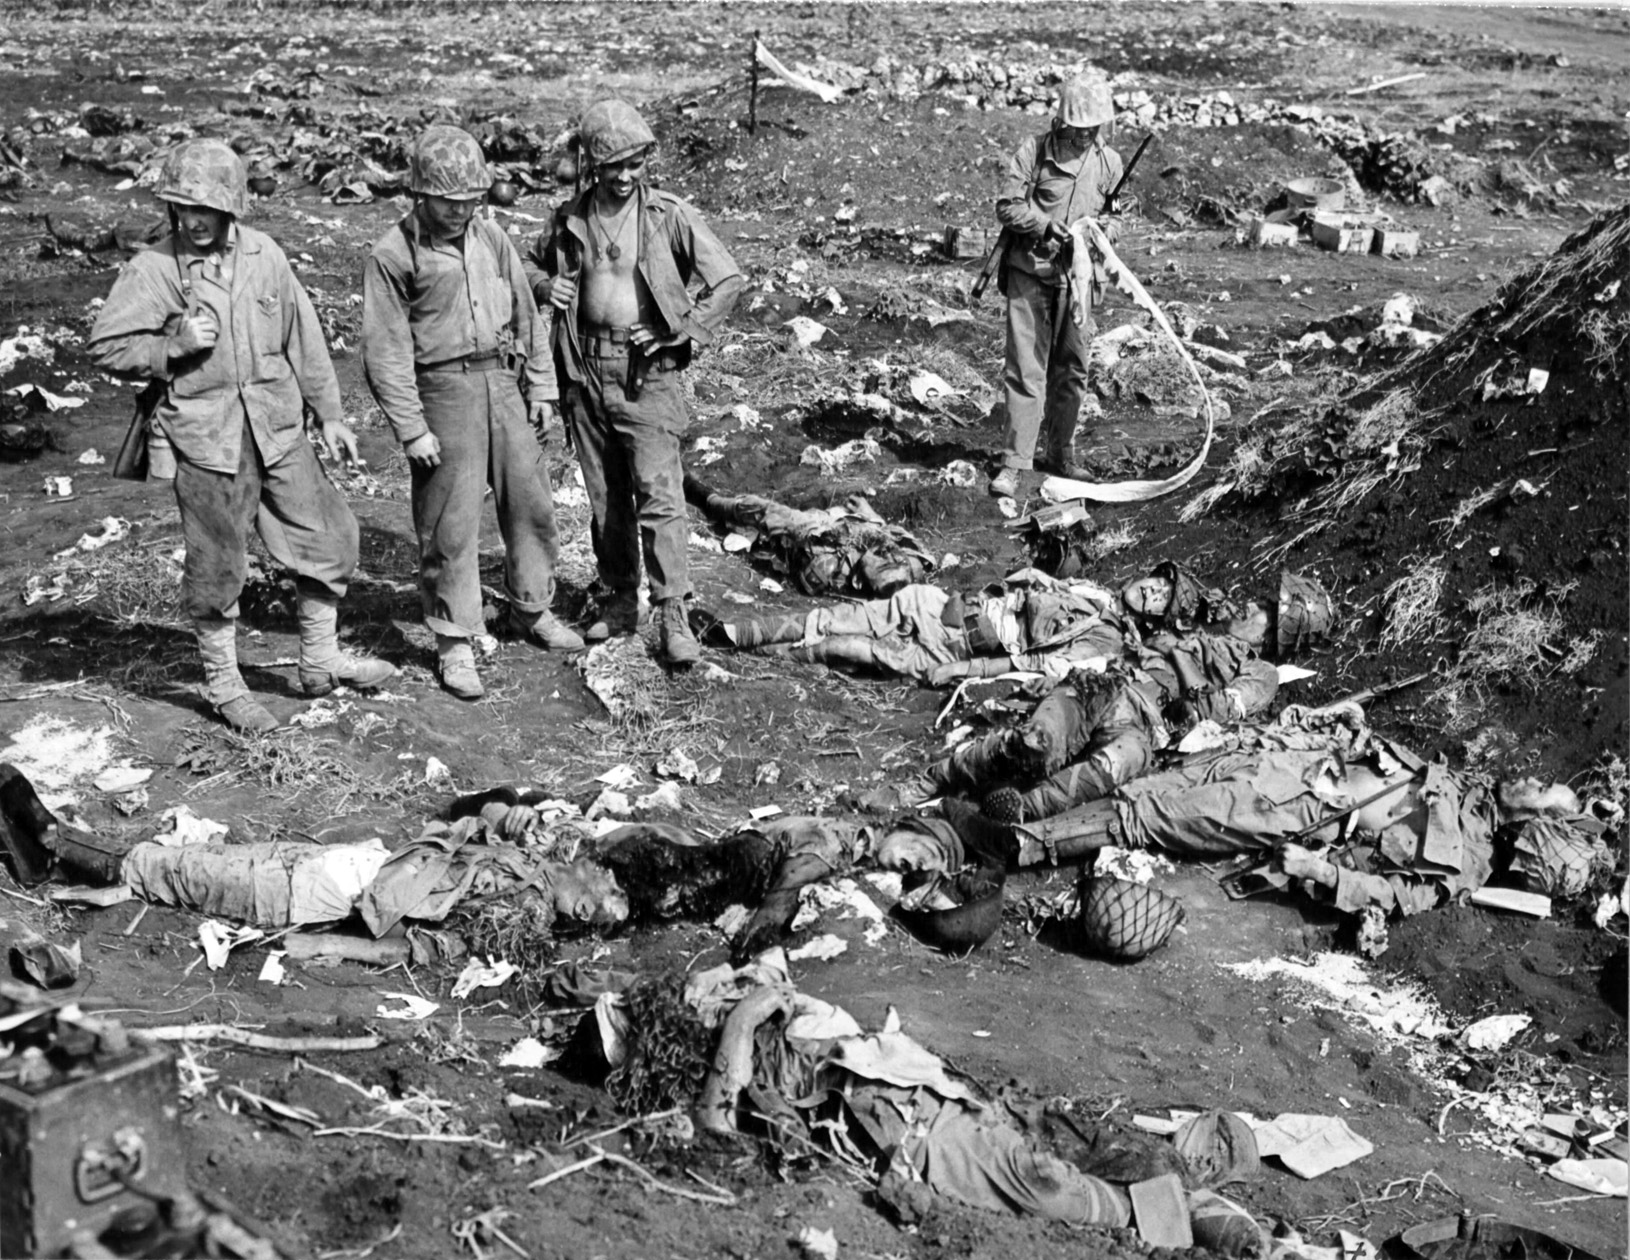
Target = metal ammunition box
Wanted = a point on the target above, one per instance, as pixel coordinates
(71, 1150)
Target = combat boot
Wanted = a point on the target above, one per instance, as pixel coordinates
(456, 665)
(323, 665)
(1065, 465)
(679, 644)
(619, 616)
(546, 631)
(223, 685)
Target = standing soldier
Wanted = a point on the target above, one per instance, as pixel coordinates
(614, 264)
(215, 319)
(1052, 181)
(449, 333)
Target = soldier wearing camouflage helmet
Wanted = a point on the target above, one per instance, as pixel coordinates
(454, 351)
(214, 319)
(616, 264)
(1053, 181)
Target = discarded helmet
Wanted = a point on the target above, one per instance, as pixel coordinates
(824, 571)
(1218, 1147)
(1306, 612)
(1005, 805)
(964, 925)
(205, 173)
(1124, 919)
(1085, 101)
(613, 130)
(446, 161)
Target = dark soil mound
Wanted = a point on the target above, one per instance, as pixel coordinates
(1469, 504)
(1479, 964)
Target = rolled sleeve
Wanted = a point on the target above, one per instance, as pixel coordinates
(387, 350)
(722, 281)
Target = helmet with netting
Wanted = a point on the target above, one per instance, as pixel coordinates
(1004, 805)
(1085, 101)
(1125, 919)
(446, 161)
(205, 173)
(613, 130)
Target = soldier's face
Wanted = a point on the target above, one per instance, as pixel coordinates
(446, 217)
(620, 178)
(204, 227)
(1148, 596)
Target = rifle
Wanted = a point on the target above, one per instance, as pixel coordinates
(1004, 238)
(1112, 202)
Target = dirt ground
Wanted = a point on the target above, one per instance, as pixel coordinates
(851, 197)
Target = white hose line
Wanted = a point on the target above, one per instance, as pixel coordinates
(1063, 489)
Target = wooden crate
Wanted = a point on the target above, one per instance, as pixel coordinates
(1396, 243)
(1339, 238)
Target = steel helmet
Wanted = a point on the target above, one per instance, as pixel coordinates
(1306, 612)
(446, 161)
(613, 130)
(205, 173)
(1127, 920)
(1085, 101)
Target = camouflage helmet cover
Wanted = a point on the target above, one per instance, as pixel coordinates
(613, 130)
(205, 173)
(446, 161)
(1306, 611)
(1085, 101)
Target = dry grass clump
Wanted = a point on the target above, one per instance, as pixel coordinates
(137, 585)
(519, 930)
(1411, 604)
(1246, 473)
(1606, 335)
(1467, 508)
(1518, 637)
(1263, 454)
(1383, 444)
(312, 773)
(1120, 536)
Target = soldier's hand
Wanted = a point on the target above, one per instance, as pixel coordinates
(541, 413)
(520, 820)
(424, 450)
(340, 440)
(562, 292)
(1302, 863)
(647, 338)
(197, 332)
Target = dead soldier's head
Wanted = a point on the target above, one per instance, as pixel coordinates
(205, 186)
(616, 143)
